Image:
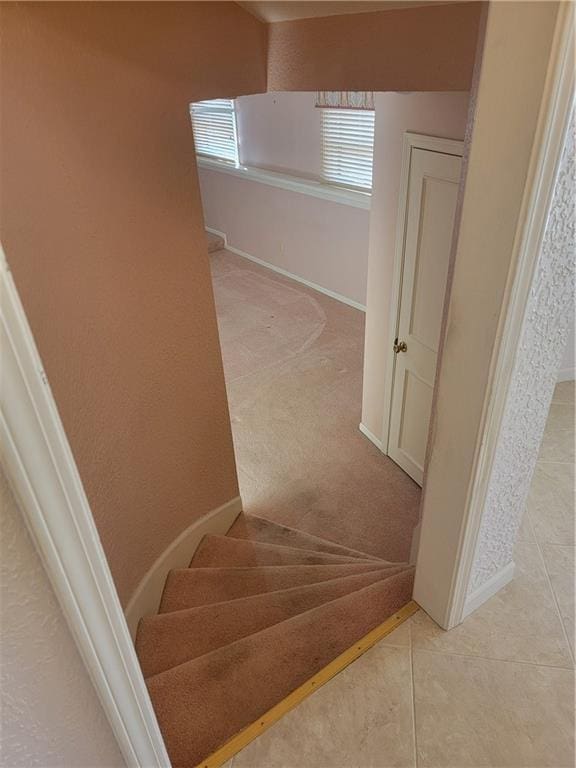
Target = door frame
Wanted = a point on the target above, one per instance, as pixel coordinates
(449, 533)
(410, 142)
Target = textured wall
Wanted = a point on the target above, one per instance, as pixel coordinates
(544, 333)
(567, 370)
(413, 49)
(102, 226)
(50, 713)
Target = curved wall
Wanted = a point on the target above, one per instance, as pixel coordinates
(102, 225)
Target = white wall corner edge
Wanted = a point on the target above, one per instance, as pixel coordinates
(371, 436)
(217, 232)
(146, 597)
(487, 590)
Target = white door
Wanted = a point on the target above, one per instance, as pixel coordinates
(430, 206)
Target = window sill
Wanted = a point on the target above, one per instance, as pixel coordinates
(292, 183)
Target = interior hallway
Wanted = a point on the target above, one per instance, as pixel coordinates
(498, 691)
(293, 368)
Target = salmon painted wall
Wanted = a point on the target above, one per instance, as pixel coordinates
(412, 49)
(101, 221)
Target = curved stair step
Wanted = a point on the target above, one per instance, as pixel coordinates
(242, 553)
(197, 713)
(259, 529)
(169, 639)
(191, 587)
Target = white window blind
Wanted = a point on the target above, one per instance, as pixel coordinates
(214, 126)
(347, 147)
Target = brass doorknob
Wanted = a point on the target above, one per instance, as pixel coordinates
(399, 347)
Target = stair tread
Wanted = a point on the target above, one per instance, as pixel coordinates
(259, 529)
(191, 587)
(168, 639)
(215, 550)
(197, 714)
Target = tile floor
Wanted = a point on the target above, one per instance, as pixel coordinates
(497, 691)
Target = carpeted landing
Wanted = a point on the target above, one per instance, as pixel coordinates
(293, 368)
(257, 613)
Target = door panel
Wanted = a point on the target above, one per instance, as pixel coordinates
(416, 402)
(429, 222)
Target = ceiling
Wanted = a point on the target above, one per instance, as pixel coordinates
(288, 10)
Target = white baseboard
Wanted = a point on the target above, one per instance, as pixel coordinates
(286, 273)
(566, 374)
(494, 584)
(220, 234)
(146, 598)
(371, 436)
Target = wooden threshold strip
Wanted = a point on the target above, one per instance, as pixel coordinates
(252, 731)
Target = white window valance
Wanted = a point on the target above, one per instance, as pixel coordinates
(345, 99)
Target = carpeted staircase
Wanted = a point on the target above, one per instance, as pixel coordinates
(257, 613)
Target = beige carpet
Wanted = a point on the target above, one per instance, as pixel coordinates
(293, 366)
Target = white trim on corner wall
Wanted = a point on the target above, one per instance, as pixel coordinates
(371, 436)
(291, 275)
(146, 598)
(217, 232)
(41, 469)
(557, 100)
(304, 186)
(487, 590)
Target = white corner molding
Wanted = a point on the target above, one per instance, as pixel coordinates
(217, 232)
(291, 275)
(488, 589)
(146, 597)
(299, 184)
(371, 436)
(553, 126)
(40, 466)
